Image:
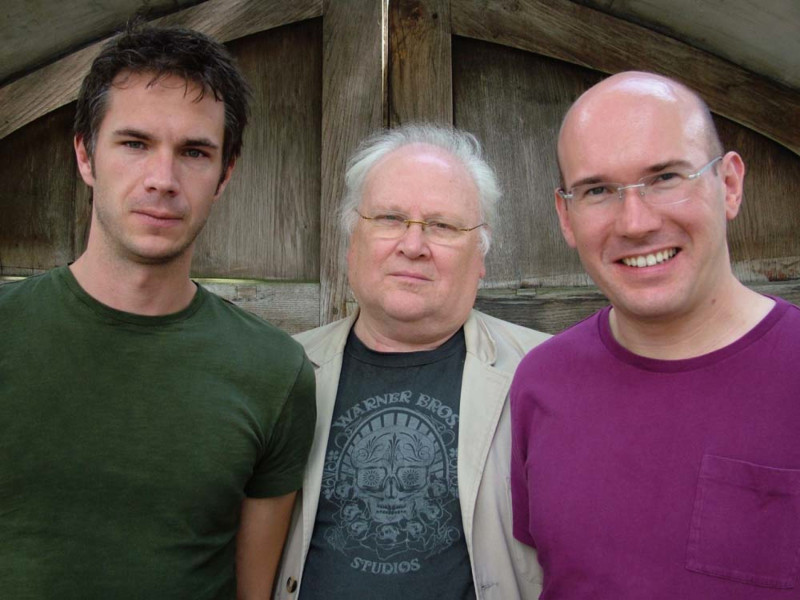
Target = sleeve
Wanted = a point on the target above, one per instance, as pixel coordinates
(280, 470)
(519, 478)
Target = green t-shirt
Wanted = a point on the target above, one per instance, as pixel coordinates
(127, 443)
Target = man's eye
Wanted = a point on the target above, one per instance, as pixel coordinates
(133, 144)
(598, 190)
(194, 153)
(666, 179)
(442, 227)
(390, 220)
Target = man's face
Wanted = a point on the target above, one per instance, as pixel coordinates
(156, 169)
(410, 279)
(620, 137)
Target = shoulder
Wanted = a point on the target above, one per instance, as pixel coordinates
(577, 342)
(231, 322)
(327, 340)
(20, 294)
(504, 332)
(792, 311)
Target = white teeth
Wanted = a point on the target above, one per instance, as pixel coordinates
(648, 260)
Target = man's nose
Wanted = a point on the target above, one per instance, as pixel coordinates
(161, 176)
(636, 216)
(414, 241)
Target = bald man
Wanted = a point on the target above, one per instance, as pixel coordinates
(656, 445)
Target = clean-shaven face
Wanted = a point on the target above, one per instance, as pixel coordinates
(411, 279)
(653, 262)
(156, 168)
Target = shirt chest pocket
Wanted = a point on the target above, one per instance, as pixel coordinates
(746, 523)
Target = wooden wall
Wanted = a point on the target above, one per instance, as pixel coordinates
(328, 73)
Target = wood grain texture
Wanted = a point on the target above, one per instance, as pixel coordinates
(553, 310)
(761, 37)
(764, 238)
(580, 35)
(34, 31)
(353, 106)
(420, 58)
(513, 101)
(57, 84)
(39, 175)
(293, 307)
(266, 225)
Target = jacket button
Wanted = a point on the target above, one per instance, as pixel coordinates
(291, 585)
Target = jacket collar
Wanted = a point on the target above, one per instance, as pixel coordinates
(478, 340)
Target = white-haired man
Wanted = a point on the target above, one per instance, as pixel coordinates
(406, 494)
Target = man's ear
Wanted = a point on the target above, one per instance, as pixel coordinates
(85, 166)
(732, 171)
(225, 179)
(563, 219)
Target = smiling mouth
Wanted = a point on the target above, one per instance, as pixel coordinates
(648, 260)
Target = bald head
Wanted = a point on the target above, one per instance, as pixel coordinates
(610, 116)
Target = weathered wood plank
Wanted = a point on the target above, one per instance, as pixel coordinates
(353, 106)
(761, 37)
(420, 58)
(764, 238)
(57, 84)
(266, 226)
(38, 172)
(33, 32)
(293, 307)
(513, 101)
(584, 36)
(553, 310)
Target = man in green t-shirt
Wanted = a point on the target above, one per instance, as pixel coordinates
(152, 435)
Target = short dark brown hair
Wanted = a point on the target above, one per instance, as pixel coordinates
(163, 52)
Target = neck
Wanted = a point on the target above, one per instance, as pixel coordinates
(718, 323)
(142, 289)
(400, 337)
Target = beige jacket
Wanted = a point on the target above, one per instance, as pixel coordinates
(502, 567)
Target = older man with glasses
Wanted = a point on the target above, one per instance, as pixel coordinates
(407, 491)
(655, 445)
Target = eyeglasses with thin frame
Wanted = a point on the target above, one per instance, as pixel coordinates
(661, 189)
(394, 225)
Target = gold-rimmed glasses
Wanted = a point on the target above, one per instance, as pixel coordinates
(394, 225)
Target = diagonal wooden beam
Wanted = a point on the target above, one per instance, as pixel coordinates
(567, 31)
(57, 84)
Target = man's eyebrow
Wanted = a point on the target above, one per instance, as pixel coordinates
(200, 142)
(656, 168)
(134, 133)
(669, 164)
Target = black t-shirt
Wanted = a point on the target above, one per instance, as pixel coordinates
(389, 520)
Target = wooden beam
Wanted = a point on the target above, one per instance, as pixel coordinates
(567, 31)
(554, 309)
(353, 106)
(420, 62)
(293, 307)
(57, 84)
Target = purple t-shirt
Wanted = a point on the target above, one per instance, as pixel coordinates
(638, 478)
